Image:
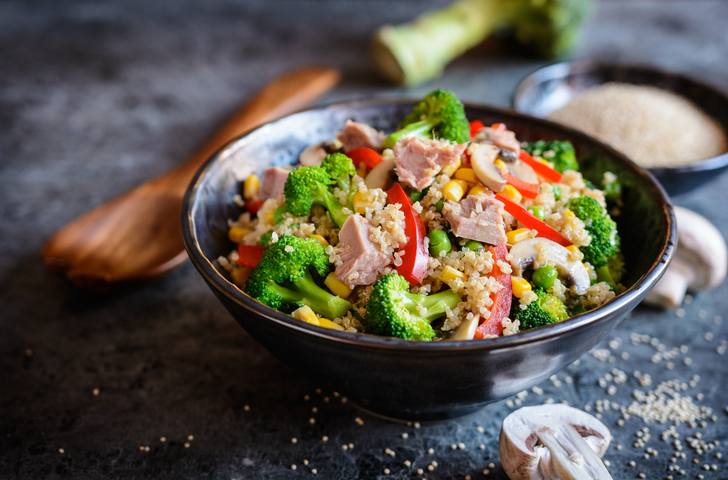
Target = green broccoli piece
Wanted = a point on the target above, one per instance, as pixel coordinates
(600, 226)
(417, 51)
(393, 312)
(283, 279)
(308, 185)
(440, 115)
(564, 157)
(545, 310)
(615, 263)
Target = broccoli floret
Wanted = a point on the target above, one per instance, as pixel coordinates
(393, 312)
(615, 263)
(306, 186)
(564, 157)
(600, 226)
(283, 278)
(545, 310)
(440, 115)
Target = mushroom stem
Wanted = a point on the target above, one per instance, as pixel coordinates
(571, 456)
(670, 290)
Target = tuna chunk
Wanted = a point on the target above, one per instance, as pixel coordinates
(503, 138)
(274, 179)
(418, 160)
(362, 259)
(358, 135)
(477, 217)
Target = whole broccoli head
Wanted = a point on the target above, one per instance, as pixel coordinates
(306, 186)
(440, 115)
(394, 312)
(283, 279)
(545, 310)
(600, 226)
(564, 155)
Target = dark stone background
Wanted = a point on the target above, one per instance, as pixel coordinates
(96, 97)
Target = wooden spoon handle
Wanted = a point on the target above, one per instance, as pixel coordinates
(288, 93)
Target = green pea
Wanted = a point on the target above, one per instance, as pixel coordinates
(439, 242)
(545, 277)
(613, 191)
(439, 205)
(265, 239)
(415, 195)
(537, 211)
(278, 214)
(473, 246)
(557, 191)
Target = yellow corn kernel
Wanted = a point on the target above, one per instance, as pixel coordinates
(569, 214)
(240, 275)
(360, 203)
(545, 162)
(454, 190)
(270, 218)
(450, 169)
(251, 187)
(511, 192)
(478, 190)
(572, 248)
(501, 165)
(236, 234)
(320, 239)
(515, 236)
(336, 286)
(449, 274)
(326, 323)
(361, 170)
(520, 285)
(305, 314)
(467, 174)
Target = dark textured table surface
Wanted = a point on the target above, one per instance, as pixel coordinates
(159, 382)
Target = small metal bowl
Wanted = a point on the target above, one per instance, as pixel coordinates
(552, 87)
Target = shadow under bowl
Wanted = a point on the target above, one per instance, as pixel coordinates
(424, 381)
(554, 86)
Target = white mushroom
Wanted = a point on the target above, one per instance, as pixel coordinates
(522, 170)
(553, 442)
(542, 251)
(313, 155)
(482, 156)
(700, 261)
(466, 330)
(381, 175)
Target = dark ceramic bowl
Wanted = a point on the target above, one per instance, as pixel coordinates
(418, 380)
(552, 87)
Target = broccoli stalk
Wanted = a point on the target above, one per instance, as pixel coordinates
(418, 51)
(283, 280)
(439, 113)
(602, 229)
(545, 310)
(564, 157)
(394, 312)
(308, 185)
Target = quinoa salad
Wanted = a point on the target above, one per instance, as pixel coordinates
(446, 229)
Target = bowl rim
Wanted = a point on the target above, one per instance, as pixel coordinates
(562, 69)
(232, 293)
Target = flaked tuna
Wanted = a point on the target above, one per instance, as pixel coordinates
(358, 135)
(477, 217)
(361, 258)
(502, 138)
(274, 179)
(418, 160)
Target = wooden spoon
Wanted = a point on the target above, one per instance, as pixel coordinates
(137, 235)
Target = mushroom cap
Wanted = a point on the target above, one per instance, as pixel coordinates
(523, 453)
(482, 158)
(700, 244)
(542, 251)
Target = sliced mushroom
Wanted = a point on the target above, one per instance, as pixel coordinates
(553, 442)
(381, 175)
(482, 156)
(700, 261)
(522, 171)
(466, 330)
(542, 251)
(315, 154)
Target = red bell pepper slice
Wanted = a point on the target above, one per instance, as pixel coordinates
(250, 255)
(544, 171)
(493, 325)
(415, 257)
(367, 156)
(475, 127)
(528, 190)
(253, 206)
(524, 216)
